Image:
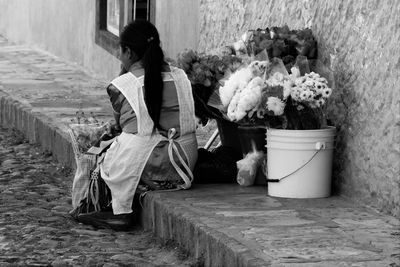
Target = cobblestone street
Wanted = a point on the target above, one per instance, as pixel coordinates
(35, 229)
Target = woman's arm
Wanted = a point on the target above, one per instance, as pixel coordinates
(124, 115)
(116, 103)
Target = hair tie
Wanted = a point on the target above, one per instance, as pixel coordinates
(150, 39)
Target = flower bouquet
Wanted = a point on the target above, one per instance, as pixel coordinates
(205, 72)
(278, 42)
(208, 72)
(264, 93)
(86, 132)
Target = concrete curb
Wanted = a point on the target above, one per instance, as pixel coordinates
(37, 128)
(168, 221)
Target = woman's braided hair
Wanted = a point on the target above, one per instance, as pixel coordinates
(142, 38)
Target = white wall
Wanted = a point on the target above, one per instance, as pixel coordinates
(66, 28)
(177, 22)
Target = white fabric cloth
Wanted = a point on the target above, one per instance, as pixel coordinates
(125, 160)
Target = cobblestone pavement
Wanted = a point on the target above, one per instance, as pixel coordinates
(35, 229)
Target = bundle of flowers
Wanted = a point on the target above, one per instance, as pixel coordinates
(305, 104)
(205, 73)
(279, 42)
(242, 91)
(263, 93)
(205, 69)
(85, 131)
(232, 66)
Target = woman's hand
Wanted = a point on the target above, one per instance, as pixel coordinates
(115, 129)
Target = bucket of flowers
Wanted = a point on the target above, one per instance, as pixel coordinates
(208, 73)
(292, 110)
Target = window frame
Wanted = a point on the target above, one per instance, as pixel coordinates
(108, 40)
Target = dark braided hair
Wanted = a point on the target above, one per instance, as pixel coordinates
(143, 39)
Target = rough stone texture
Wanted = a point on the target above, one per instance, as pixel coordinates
(359, 41)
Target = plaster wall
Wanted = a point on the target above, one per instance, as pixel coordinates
(67, 29)
(63, 28)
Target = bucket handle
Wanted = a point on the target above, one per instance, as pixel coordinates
(319, 146)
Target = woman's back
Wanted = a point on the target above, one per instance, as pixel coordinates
(169, 115)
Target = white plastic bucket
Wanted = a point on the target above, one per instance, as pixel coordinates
(299, 162)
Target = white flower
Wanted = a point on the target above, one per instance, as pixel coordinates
(303, 95)
(313, 105)
(319, 86)
(320, 102)
(258, 67)
(321, 80)
(275, 105)
(309, 82)
(239, 46)
(257, 81)
(231, 113)
(277, 79)
(312, 75)
(295, 93)
(287, 88)
(237, 80)
(278, 76)
(299, 81)
(246, 100)
(310, 94)
(295, 72)
(326, 92)
(317, 96)
(247, 36)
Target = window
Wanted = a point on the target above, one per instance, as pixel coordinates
(113, 15)
(141, 9)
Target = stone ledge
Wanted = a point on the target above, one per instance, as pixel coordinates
(228, 225)
(171, 221)
(37, 129)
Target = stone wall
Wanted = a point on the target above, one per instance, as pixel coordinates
(359, 41)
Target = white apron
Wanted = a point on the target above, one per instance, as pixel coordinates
(126, 158)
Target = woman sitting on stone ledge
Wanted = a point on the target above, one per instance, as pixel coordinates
(153, 106)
